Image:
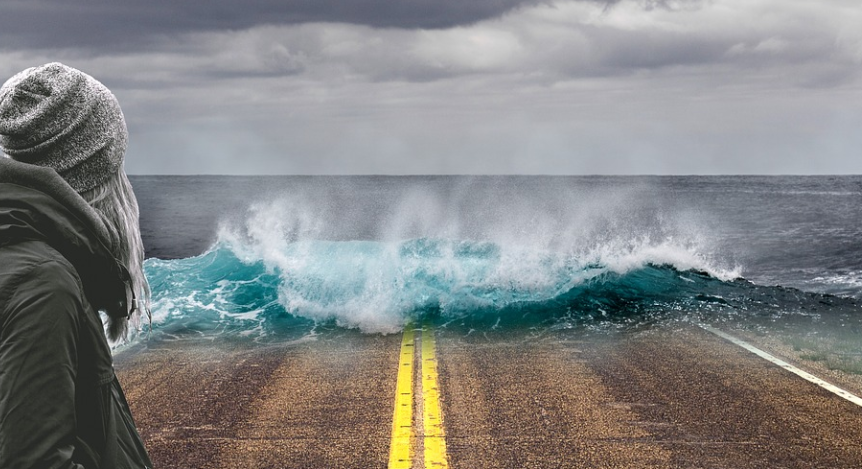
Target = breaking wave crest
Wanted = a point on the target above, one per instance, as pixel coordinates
(282, 270)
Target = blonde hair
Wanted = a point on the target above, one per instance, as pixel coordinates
(115, 202)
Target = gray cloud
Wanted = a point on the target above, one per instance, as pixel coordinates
(648, 5)
(582, 86)
(98, 25)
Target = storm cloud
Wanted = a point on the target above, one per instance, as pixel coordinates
(130, 24)
(565, 87)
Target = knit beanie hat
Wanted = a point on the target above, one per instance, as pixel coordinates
(61, 118)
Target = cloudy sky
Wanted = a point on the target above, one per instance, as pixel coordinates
(465, 86)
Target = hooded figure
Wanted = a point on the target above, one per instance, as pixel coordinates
(70, 248)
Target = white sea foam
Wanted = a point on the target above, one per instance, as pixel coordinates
(458, 251)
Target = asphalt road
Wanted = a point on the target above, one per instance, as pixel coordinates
(664, 397)
(322, 404)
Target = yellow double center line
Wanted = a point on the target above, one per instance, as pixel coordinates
(433, 435)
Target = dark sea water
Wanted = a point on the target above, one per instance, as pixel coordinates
(276, 257)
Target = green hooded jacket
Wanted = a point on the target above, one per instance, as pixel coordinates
(61, 405)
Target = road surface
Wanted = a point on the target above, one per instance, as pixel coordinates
(670, 396)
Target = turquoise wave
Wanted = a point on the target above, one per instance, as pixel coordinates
(373, 286)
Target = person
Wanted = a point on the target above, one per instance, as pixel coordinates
(70, 255)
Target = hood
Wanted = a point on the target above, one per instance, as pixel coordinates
(37, 204)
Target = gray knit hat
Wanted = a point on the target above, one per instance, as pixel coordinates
(62, 118)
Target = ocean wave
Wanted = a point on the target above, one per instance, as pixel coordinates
(291, 266)
(379, 287)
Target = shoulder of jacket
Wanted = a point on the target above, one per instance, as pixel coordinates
(36, 261)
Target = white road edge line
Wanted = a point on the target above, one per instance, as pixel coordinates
(787, 366)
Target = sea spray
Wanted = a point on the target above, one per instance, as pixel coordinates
(378, 287)
(471, 252)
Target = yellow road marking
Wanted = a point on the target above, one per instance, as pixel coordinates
(434, 437)
(432, 416)
(400, 451)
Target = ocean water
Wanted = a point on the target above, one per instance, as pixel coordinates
(277, 258)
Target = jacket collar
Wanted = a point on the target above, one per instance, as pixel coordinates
(37, 204)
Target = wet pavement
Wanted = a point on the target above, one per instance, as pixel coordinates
(669, 396)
